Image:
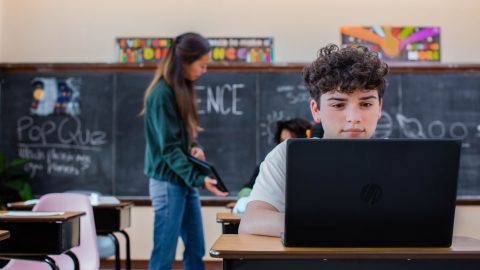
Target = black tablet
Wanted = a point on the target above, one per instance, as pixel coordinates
(208, 169)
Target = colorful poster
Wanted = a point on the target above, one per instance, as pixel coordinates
(403, 44)
(246, 50)
(140, 50)
(240, 50)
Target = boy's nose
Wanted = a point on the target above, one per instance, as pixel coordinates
(353, 115)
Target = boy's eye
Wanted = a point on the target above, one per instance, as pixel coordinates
(366, 105)
(338, 105)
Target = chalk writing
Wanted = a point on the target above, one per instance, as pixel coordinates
(57, 148)
(294, 94)
(66, 134)
(410, 127)
(268, 127)
(219, 99)
(384, 126)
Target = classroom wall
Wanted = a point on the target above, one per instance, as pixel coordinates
(1, 29)
(141, 232)
(467, 223)
(85, 30)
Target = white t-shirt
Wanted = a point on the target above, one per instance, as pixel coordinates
(270, 183)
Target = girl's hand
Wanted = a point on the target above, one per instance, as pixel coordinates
(210, 185)
(198, 153)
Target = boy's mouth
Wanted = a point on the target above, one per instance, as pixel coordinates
(353, 130)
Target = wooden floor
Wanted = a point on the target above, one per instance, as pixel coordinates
(143, 265)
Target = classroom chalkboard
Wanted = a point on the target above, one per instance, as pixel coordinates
(98, 144)
(66, 151)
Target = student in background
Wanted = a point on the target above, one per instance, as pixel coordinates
(171, 126)
(285, 129)
(346, 86)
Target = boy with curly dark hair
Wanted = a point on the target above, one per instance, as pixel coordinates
(347, 87)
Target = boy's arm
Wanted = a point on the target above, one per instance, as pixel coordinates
(263, 219)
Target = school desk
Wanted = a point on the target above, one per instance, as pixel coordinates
(36, 237)
(260, 252)
(230, 222)
(3, 235)
(230, 205)
(109, 219)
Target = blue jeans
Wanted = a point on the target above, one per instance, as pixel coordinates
(177, 213)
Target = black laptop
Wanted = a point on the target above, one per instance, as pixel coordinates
(371, 193)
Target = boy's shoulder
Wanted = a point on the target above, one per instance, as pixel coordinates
(279, 150)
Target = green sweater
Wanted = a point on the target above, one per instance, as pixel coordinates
(167, 140)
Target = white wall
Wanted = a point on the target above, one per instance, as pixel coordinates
(467, 223)
(141, 232)
(85, 30)
(2, 17)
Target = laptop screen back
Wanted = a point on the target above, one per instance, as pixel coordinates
(371, 193)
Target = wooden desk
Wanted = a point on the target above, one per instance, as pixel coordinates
(230, 222)
(36, 237)
(261, 252)
(4, 235)
(109, 219)
(230, 205)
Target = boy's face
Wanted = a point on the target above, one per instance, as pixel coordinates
(348, 116)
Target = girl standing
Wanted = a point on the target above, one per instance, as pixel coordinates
(171, 126)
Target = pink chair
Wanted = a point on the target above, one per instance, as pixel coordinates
(87, 252)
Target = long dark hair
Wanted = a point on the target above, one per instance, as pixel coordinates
(185, 49)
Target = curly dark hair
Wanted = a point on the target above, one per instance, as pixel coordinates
(297, 126)
(345, 70)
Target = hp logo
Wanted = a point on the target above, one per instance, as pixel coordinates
(371, 193)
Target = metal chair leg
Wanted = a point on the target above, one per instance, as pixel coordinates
(76, 263)
(51, 262)
(117, 251)
(127, 242)
(46, 259)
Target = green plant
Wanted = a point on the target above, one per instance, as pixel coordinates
(14, 184)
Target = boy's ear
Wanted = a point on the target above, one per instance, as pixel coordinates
(315, 111)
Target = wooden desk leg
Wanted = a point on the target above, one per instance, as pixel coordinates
(117, 250)
(76, 263)
(127, 242)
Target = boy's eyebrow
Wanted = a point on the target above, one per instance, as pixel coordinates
(344, 99)
(337, 99)
(368, 97)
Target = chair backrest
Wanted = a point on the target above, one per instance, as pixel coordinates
(87, 252)
(106, 246)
